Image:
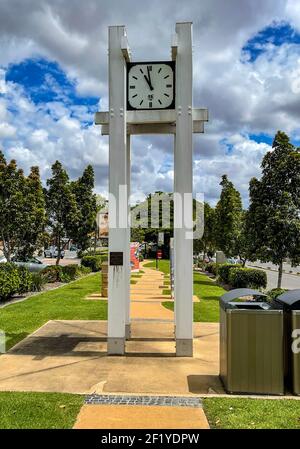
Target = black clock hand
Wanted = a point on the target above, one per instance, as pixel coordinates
(149, 77)
(148, 82)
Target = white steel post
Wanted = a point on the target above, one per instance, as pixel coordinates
(128, 266)
(183, 187)
(118, 231)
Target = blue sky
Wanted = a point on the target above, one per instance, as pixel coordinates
(53, 78)
(276, 34)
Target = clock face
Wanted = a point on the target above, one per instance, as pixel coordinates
(151, 85)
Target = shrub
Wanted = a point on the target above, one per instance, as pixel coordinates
(9, 280)
(201, 264)
(212, 268)
(247, 278)
(25, 279)
(104, 257)
(274, 293)
(38, 282)
(52, 273)
(84, 270)
(71, 271)
(224, 270)
(93, 262)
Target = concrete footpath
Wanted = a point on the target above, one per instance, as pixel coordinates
(70, 356)
(142, 412)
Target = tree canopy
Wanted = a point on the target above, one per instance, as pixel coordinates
(22, 210)
(228, 218)
(273, 221)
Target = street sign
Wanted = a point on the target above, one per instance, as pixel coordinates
(159, 254)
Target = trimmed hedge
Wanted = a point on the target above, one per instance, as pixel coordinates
(67, 273)
(9, 280)
(93, 262)
(247, 278)
(224, 271)
(52, 273)
(70, 272)
(17, 279)
(212, 267)
(25, 279)
(275, 292)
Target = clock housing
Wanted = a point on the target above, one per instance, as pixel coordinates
(151, 85)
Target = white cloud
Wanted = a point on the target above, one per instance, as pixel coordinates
(7, 130)
(243, 97)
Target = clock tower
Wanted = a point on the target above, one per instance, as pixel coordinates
(153, 97)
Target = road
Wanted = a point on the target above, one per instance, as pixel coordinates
(289, 281)
(70, 258)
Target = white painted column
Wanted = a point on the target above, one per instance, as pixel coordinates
(128, 266)
(118, 210)
(183, 187)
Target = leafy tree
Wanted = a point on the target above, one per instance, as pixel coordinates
(273, 221)
(209, 232)
(228, 218)
(63, 214)
(137, 235)
(242, 244)
(33, 215)
(21, 209)
(87, 207)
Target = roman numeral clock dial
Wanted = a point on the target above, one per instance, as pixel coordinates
(151, 85)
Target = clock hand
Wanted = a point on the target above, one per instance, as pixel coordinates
(148, 82)
(149, 77)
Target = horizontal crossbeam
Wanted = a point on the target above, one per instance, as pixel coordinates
(150, 117)
(155, 128)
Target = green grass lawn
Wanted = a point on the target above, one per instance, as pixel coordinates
(166, 292)
(207, 310)
(226, 413)
(65, 303)
(163, 265)
(38, 410)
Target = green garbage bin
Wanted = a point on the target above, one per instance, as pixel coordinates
(251, 344)
(289, 302)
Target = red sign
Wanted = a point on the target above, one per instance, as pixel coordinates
(159, 254)
(134, 256)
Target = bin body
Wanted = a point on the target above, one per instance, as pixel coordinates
(254, 352)
(295, 356)
(251, 345)
(289, 302)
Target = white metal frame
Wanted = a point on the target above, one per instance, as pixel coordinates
(120, 124)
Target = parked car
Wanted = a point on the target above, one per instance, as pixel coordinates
(32, 263)
(233, 260)
(52, 251)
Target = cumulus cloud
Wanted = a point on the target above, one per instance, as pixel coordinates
(245, 97)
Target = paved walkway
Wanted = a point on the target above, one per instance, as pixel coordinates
(70, 356)
(146, 296)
